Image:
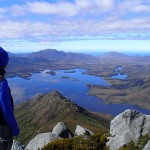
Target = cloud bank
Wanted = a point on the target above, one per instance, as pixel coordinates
(49, 21)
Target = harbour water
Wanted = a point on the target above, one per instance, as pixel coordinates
(70, 83)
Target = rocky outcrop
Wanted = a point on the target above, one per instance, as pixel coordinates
(59, 131)
(41, 140)
(17, 146)
(81, 131)
(62, 131)
(147, 146)
(127, 126)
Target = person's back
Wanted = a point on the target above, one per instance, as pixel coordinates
(8, 124)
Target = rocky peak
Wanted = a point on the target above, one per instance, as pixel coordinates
(57, 94)
(55, 97)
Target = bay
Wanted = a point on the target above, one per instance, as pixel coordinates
(119, 75)
(70, 83)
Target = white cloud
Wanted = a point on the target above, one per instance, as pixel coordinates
(78, 7)
(64, 8)
(2, 10)
(61, 8)
(141, 8)
(134, 6)
(78, 18)
(18, 9)
(50, 24)
(104, 5)
(49, 43)
(29, 30)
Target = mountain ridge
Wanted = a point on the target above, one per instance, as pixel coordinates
(42, 113)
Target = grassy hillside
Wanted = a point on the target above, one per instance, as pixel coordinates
(43, 113)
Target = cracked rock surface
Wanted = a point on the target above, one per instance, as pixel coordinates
(128, 126)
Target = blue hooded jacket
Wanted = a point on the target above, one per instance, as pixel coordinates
(6, 107)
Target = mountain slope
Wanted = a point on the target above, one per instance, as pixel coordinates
(61, 56)
(41, 114)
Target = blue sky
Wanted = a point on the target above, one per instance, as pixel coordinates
(75, 25)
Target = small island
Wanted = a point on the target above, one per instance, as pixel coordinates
(72, 79)
(52, 73)
(72, 71)
(65, 77)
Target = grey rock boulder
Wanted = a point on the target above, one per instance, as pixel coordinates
(41, 140)
(81, 131)
(62, 131)
(127, 126)
(17, 146)
(147, 146)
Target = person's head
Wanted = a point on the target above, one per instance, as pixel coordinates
(3, 58)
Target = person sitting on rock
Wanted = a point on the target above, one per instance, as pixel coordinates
(8, 124)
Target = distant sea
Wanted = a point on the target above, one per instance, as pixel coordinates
(95, 53)
(138, 54)
(126, 53)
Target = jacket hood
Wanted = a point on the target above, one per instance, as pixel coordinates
(3, 57)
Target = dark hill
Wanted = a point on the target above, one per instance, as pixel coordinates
(50, 54)
(43, 113)
(61, 56)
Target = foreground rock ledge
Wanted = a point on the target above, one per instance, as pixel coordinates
(128, 126)
(41, 140)
(59, 131)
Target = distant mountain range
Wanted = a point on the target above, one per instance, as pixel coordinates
(24, 64)
(42, 113)
(55, 55)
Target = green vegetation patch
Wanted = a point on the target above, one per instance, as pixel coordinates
(94, 142)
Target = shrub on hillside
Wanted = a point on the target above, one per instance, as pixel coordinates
(94, 142)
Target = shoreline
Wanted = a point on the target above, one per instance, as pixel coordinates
(113, 96)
